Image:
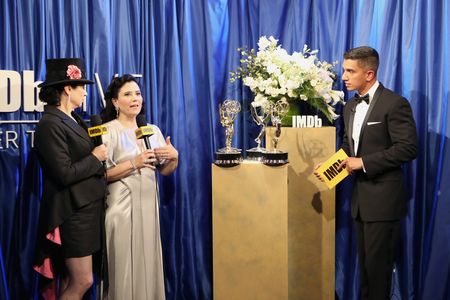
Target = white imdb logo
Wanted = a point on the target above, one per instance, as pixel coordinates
(11, 91)
(306, 121)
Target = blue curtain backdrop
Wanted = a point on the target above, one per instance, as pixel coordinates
(185, 51)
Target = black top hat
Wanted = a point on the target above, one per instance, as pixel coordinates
(65, 71)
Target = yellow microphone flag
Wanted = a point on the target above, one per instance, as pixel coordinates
(144, 131)
(97, 130)
(329, 172)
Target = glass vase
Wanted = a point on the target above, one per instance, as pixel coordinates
(294, 110)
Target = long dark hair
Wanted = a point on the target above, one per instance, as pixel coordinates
(112, 92)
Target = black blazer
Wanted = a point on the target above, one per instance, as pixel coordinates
(72, 175)
(388, 139)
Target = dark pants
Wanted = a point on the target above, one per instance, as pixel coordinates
(377, 243)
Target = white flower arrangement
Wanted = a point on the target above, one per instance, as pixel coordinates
(273, 74)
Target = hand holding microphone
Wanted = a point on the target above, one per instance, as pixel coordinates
(146, 158)
(95, 132)
(101, 153)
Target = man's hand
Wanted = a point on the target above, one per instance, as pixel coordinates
(316, 173)
(352, 164)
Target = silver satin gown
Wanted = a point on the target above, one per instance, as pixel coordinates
(135, 267)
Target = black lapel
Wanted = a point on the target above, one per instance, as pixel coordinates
(376, 96)
(80, 120)
(74, 126)
(84, 126)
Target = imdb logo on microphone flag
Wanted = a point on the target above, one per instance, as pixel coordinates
(97, 130)
(329, 170)
(144, 131)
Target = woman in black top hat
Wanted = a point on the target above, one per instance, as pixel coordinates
(69, 231)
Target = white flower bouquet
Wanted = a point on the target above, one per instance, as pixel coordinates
(273, 74)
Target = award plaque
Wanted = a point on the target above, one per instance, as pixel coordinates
(277, 157)
(228, 156)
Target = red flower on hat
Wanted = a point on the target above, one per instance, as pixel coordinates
(73, 72)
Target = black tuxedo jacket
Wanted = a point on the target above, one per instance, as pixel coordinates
(388, 139)
(72, 175)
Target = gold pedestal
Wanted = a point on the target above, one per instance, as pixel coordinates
(311, 212)
(273, 227)
(250, 232)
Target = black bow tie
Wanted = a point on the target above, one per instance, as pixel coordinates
(364, 98)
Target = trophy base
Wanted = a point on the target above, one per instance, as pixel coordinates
(277, 158)
(256, 154)
(229, 150)
(228, 159)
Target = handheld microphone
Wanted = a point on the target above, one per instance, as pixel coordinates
(97, 130)
(144, 131)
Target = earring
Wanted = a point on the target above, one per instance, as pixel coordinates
(117, 111)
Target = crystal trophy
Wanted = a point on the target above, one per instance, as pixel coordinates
(276, 157)
(261, 115)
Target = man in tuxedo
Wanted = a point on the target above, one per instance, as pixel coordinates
(380, 135)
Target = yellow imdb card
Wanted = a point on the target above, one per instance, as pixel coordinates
(329, 169)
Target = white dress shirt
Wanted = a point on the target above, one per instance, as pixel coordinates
(360, 113)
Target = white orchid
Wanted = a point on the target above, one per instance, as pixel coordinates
(265, 42)
(259, 100)
(272, 73)
(250, 82)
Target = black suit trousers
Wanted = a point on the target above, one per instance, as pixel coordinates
(377, 244)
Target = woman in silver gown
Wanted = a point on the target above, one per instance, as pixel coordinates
(135, 267)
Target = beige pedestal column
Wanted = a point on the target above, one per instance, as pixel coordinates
(273, 227)
(250, 250)
(311, 212)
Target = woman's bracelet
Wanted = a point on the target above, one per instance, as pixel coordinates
(132, 164)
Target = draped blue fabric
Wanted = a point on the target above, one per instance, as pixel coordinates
(185, 51)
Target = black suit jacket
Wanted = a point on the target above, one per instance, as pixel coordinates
(72, 175)
(388, 139)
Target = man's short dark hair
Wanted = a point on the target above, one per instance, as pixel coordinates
(366, 56)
